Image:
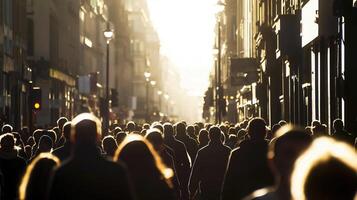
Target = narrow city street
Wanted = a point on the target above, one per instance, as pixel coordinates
(178, 99)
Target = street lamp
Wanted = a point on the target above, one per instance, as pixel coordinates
(108, 34)
(153, 83)
(220, 8)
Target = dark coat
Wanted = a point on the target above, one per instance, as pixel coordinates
(182, 163)
(209, 169)
(12, 168)
(90, 176)
(191, 145)
(247, 170)
(63, 152)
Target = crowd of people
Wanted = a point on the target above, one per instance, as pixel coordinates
(77, 159)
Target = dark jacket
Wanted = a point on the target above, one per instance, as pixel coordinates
(208, 170)
(12, 168)
(182, 163)
(247, 170)
(90, 176)
(63, 152)
(191, 145)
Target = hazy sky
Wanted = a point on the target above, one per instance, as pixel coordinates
(186, 31)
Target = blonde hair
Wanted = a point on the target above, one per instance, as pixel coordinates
(26, 178)
(166, 172)
(321, 150)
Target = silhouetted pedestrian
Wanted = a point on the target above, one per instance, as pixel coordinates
(289, 143)
(64, 151)
(191, 144)
(248, 168)
(210, 165)
(35, 182)
(340, 133)
(182, 161)
(150, 177)
(86, 174)
(327, 170)
(12, 167)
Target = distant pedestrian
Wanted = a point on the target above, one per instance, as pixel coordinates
(248, 168)
(209, 168)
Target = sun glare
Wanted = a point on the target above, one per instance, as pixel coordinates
(186, 31)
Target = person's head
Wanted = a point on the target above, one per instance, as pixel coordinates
(338, 125)
(241, 134)
(154, 136)
(51, 134)
(319, 130)
(203, 137)
(61, 121)
(190, 131)
(146, 126)
(7, 128)
(7, 142)
(168, 130)
(215, 134)
(327, 170)
(37, 134)
(109, 145)
(141, 159)
(85, 131)
(288, 144)
(197, 129)
(257, 128)
(66, 130)
(36, 178)
(45, 144)
(158, 126)
(232, 131)
(131, 126)
(180, 129)
(116, 130)
(282, 123)
(119, 137)
(223, 128)
(315, 123)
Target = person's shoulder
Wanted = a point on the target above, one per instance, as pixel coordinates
(111, 165)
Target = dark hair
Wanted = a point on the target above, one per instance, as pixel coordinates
(327, 170)
(215, 134)
(141, 159)
(257, 128)
(7, 141)
(338, 125)
(36, 178)
(119, 137)
(109, 145)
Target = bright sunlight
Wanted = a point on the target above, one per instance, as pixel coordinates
(186, 31)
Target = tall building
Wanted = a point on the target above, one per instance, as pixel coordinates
(294, 60)
(145, 51)
(53, 56)
(15, 74)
